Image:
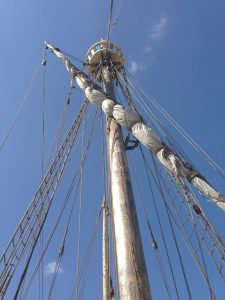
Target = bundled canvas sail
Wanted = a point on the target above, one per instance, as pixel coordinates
(132, 121)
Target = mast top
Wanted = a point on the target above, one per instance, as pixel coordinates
(104, 51)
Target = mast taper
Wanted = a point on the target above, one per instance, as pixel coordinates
(132, 272)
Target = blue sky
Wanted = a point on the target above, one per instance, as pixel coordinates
(174, 48)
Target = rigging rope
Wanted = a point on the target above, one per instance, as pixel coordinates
(187, 240)
(61, 249)
(146, 166)
(116, 17)
(21, 106)
(175, 240)
(41, 269)
(56, 142)
(73, 57)
(104, 166)
(110, 20)
(154, 241)
(202, 255)
(29, 227)
(52, 232)
(80, 213)
(187, 137)
(87, 257)
(76, 177)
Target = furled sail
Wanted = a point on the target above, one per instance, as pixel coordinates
(132, 121)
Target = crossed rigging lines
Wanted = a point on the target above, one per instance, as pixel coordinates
(182, 202)
(183, 210)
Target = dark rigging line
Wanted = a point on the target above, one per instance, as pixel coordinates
(88, 255)
(41, 270)
(61, 212)
(59, 130)
(175, 239)
(80, 213)
(43, 112)
(187, 238)
(61, 249)
(152, 117)
(116, 17)
(72, 56)
(202, 254)
(52, 232)
(176, 244)
(110, 20)
(154, 241)
(159, 222)
(21, 106)
(28, 224)
(188, 138)
(103, 157)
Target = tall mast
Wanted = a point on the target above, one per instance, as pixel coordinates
(132, 272)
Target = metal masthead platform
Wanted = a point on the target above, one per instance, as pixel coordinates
(104, 51)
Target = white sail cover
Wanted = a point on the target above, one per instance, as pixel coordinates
(125, 117)
(107, 107)
(208, 191)
(147, 137)
(173, 163)
(82, 82)
(132, 121)
(95, 96)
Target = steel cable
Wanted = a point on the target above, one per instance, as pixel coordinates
(60, 214)
(187, 137)
(154, 241)
(21, 105)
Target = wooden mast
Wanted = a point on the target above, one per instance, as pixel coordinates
(132, 272)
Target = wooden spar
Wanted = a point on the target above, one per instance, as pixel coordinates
(105, 253)
(132, 272)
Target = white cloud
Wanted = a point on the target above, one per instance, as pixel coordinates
(158, 29)
(135, 67)
(148, 50)
(155, 32)
(50, 268)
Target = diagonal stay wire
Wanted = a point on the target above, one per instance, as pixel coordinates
(146, 166)
(154, 242)
(187, 137)
(186, 237)
(61, 212)
(149, 112)
(110, 20)
(22, 278)
(21, 106)
(80, 213)
(62, 247)
(203, 269)
(175, 239)
(117, 13)
(51, 234)
(88, 256)
(43, 104)
(58, 135)
(201, 252)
